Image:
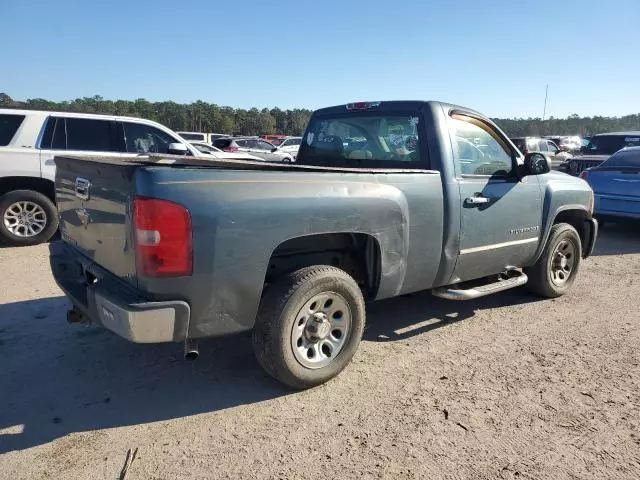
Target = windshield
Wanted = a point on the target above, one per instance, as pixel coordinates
(610, 144)
(359, 139)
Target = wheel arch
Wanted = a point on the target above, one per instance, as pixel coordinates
(579, 217)
(37, 184)
(356, 253)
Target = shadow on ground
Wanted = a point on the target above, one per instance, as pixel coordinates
(59, 378)
(404, 317)
(621, 238)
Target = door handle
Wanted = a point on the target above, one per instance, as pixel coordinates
(476, 200)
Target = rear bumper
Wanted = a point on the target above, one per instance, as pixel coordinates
(104, 299)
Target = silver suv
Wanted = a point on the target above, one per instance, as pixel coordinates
(255, 146)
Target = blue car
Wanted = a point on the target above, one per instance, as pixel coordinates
(616, 184)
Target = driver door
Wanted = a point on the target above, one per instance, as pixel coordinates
(500, 213)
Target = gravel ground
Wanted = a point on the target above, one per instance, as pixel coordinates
(506, 387)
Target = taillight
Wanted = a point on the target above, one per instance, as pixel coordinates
(584, 175)
(163, 242)
(231, 148)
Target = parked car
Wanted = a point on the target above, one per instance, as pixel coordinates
(290, 145)
(292, 251)
(30, 139)
(599, 148)
(570, 144)
(201, 137)
(254, 146)
(549, 149)
(207, 149)
(273, 139)
(616, 184)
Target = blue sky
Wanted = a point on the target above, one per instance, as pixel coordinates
(495, 56)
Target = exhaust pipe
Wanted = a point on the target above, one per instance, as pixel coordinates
(191, 351)
(74, 315)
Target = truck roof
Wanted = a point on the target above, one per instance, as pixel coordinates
(391, 105)
(634, 133)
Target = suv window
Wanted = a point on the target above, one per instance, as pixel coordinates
(266, 146)
(243, 143)
(89, 134)
(468, 133)
(361, 139)
(610, 144)
(9, 125)
(552, 147)
(221, 143)
(142, 138)
(542, 146)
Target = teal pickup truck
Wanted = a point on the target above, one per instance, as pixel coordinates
(386, 198)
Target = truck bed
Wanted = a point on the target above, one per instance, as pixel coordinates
(241, 213)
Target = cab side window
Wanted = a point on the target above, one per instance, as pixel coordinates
(478, 149)
(142, 138)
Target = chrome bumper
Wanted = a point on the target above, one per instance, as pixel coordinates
(102, 298)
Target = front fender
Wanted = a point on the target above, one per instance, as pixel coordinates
(563, 194)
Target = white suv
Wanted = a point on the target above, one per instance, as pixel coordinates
(28, 142)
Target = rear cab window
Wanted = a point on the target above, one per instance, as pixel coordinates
(363, 138)
(9, 124)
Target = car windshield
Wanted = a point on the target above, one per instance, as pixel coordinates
(361, 138)
(610, 144)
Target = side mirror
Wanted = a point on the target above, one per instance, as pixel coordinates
(177, 149)
(274, 149)
(536, 164)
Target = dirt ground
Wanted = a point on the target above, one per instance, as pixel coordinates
(506, 387)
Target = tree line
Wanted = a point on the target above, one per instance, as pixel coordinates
(208, 117)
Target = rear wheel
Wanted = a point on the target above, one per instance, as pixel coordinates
(27, 217)
(556, 269)
(309, 326)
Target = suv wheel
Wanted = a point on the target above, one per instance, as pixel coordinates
(309, 326)
(27, 217)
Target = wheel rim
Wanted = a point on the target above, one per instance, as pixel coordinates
(321, 329)
(25, 219)
(563, 262)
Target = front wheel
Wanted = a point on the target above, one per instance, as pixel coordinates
(309, 326)
(27, 218)
(556, 269)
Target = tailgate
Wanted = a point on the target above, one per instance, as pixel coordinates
(94, 199)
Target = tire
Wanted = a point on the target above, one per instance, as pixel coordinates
(286, 330)
(550, 277)
(42, 218)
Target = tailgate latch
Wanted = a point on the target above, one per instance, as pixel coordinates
(82, 188)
